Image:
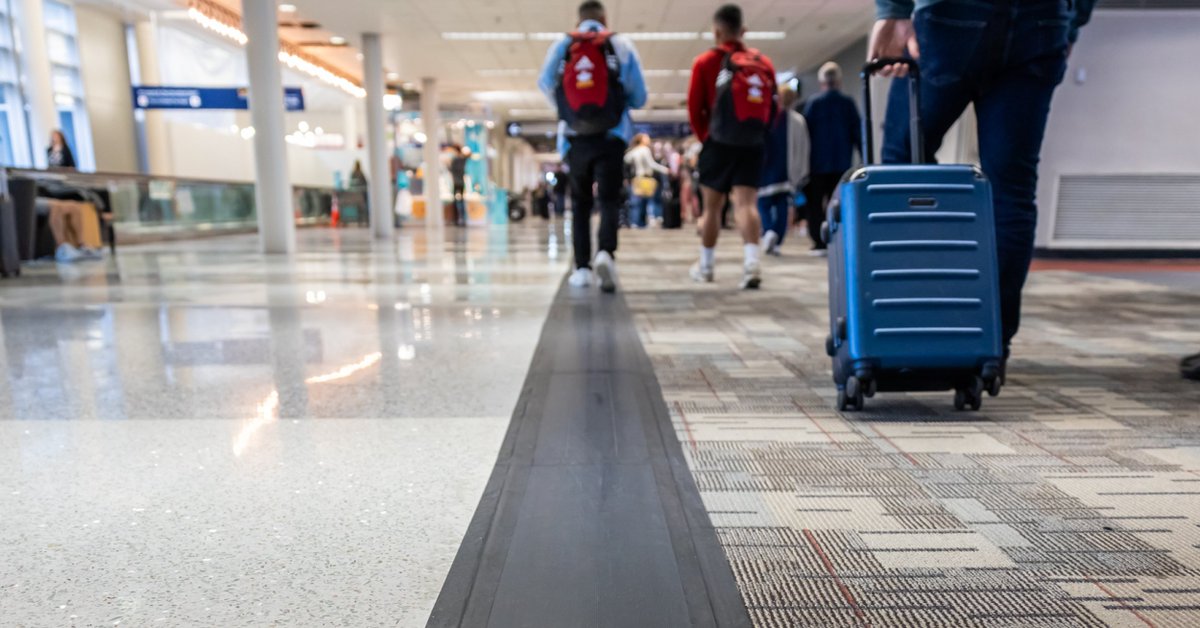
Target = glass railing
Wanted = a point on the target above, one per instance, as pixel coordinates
(170, 206)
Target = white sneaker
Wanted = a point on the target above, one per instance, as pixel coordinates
(606, 270)
(767, 244)
(819, 253)
(751, 277)
(701, 273)
(65, 253)
(581, 278)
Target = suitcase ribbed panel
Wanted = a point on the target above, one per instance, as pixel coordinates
(1125, 208)
(1148, 4)
(919, 279)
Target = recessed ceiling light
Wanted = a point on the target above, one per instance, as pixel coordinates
(393, 76)
(287, 8)
(359, 56)
(337, 40)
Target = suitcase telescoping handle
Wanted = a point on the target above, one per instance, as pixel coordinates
(914, 107)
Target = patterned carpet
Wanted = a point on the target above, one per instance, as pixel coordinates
(1073, 499)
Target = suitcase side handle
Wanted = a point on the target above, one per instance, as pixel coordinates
(914, 107)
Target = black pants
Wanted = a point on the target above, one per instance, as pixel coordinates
(818, 192)
(595, 160)
(460, 202)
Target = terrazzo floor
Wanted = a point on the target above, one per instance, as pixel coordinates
(194, 434)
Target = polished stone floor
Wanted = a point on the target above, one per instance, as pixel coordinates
(196, 434)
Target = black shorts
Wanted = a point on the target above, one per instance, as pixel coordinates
(723, 166)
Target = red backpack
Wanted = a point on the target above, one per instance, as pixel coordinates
(745, 100)
(590, 95)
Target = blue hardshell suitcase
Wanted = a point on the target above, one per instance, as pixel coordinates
(913, 289)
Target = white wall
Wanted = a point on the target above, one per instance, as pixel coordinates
(105, 68)
(1137, 110)
(205, 152)
(202, 144)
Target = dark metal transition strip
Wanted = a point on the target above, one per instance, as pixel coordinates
(591, 516)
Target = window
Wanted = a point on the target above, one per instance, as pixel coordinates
(14, 136)
(63, 50)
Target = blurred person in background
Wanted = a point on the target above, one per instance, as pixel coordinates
(835, 129)
(58, 154)
(784, 170)
(645, 182)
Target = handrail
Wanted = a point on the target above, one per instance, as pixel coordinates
(64, 174)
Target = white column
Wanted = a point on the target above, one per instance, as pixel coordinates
(158, 143)
(432, 154)
(39, 87)
(382, 221)
(272, 188)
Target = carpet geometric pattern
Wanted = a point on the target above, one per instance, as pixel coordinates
(1073, 499)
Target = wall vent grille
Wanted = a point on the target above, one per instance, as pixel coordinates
(1160, 208)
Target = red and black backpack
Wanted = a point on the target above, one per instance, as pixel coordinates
(590, 95)
(745, 99)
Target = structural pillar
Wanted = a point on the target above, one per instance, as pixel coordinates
(380, 199)
(38, 87)
(272, 188)
(432, 152)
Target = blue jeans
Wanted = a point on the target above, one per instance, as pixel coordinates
(774, 212)
(1006, 57)
(638, 208)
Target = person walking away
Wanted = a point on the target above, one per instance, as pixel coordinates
(594, 77)
(731, 103)
(645, 183)
(58, 154)
(561, 185)
(1006, 57)
(358, 189)
(835, 130)
(458, 176)
(784, 170)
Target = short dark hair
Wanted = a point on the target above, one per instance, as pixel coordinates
(729, 18)
(591, 10)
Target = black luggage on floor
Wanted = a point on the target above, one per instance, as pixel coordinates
(672, 214)
(24, 197)
(10, 253)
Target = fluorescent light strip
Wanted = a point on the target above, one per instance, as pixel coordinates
(757, 35)
(663, 36)
(634, 35)
(483, 36)
(507, 72)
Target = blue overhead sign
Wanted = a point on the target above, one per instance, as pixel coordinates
(161, 97)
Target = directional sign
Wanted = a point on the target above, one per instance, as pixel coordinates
(174, 97)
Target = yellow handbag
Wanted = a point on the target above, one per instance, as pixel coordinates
(644, 187)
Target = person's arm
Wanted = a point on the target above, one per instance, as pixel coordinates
(893, 35)
(631, 76)
(798, 150)
(657, 167)
(855, 129)
(548, 78)
(699, 99)
(1083, 15)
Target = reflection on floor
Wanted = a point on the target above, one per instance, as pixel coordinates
(198, 435)
(1073, 499)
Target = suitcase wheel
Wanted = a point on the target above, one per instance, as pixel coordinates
(970, 397)
(830, 346)
(993, 387)
(851, 396)
(825, 237)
